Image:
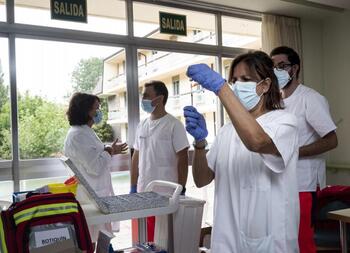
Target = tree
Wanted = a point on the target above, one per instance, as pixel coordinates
(4, 89)
(5, 131)
(42, 124)
(5, 135)
(86, 74)
(42, 127)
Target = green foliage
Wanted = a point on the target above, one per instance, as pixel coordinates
(86, 74)
(42, 128)
(104, 131)
(4, 92)
(5, 134)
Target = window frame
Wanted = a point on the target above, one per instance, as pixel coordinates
(17, 169)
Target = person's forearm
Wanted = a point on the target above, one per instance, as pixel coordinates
(320, 146)
(182, 167)
(202, 174)
(248, 129)
(134, 174)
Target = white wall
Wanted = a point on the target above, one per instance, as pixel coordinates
(326, 58)
(336, 42)
(312, 55)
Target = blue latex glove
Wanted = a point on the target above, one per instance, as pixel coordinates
(205, 76)
(195, 123)
(133, 189)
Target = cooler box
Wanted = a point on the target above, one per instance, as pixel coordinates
(186, 224)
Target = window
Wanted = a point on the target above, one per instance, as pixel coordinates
(114, 84)
(47, 74)
(170, 68)
(242, 33)
(5, 104)
(49, 71)
(226, 63)
(146, 24)
(6, 190)
(176, 85)
(108, 17)
(2, 10)
(123, 66)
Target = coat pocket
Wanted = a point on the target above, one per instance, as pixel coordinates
(256, 245)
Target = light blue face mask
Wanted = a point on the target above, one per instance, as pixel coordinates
(146, 105)
(283, 77)
(98, 117)
(246, 93)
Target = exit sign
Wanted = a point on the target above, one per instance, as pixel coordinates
(172, 23)
(69, 10)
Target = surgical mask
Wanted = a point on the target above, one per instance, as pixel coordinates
(283, 77)
(146, 105)
(98, 117)
(246, 93)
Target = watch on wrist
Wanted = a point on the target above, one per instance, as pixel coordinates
(200, 144)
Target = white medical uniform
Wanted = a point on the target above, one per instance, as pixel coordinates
(314, 122)
(87, 153)
(158, 141)
(256, 207)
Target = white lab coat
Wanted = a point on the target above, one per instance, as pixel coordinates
(314, 122)
(256, 207)
(158, 141)
(86, 151)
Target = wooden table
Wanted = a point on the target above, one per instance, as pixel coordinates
(343, 216)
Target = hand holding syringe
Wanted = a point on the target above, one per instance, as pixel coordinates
(197, 90)
(206, 77)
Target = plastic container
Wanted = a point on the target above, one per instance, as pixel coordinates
(186, 224)
(62, 188)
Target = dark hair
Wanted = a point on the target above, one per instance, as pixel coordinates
(159, 88)
(260, 63)
(292, 56)
(79, 107)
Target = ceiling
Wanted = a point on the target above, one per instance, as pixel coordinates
(311, 9)
(336, 3)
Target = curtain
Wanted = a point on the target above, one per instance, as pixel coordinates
(280, 31)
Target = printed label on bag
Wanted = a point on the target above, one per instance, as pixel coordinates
(44, 238)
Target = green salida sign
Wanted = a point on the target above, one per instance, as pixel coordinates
(172, 23)
(69, 10)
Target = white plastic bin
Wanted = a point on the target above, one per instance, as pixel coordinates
(186, 223)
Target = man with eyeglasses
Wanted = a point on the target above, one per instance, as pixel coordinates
(316, 136)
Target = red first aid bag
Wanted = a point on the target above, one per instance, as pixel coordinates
(41, 220)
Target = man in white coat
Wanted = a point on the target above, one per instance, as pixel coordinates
(161, 144)
(316, 136)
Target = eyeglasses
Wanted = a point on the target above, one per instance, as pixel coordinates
(283, 66)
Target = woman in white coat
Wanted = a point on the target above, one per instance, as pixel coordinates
(86, 150)
(253, 159)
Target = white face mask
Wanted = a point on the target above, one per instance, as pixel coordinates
(283, 77)
(147, 106)
(246, 93)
